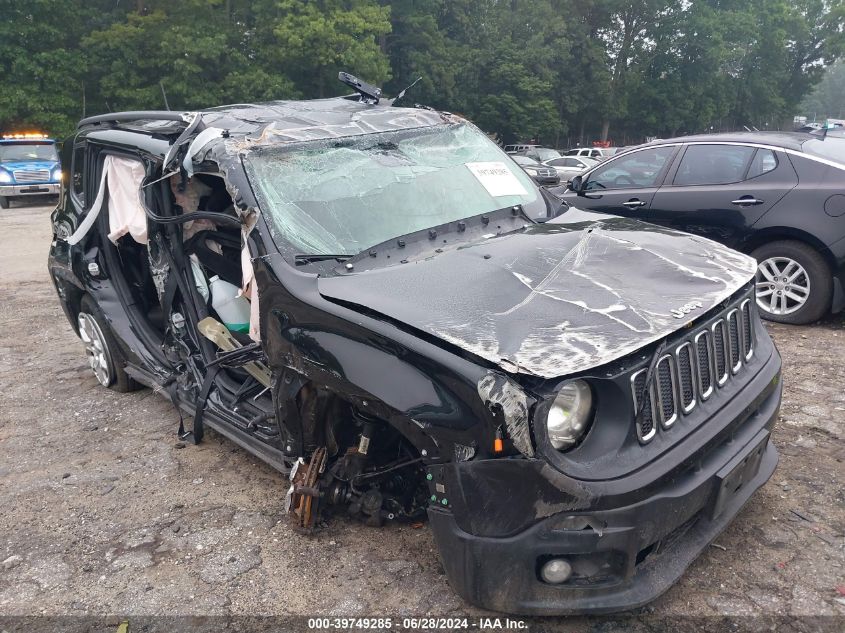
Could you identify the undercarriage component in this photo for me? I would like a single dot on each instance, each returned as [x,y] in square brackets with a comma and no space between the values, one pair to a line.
[385,482]
[303,498]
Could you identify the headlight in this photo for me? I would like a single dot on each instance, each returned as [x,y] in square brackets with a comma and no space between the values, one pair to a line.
[57,174]
[5,176]
[569,414]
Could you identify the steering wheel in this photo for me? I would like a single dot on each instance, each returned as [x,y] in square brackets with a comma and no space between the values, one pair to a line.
[623,180]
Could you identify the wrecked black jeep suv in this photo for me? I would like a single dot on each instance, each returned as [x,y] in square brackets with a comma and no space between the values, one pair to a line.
[380,304]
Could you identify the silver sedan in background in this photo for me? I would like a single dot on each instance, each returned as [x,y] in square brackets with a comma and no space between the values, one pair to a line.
[568,167]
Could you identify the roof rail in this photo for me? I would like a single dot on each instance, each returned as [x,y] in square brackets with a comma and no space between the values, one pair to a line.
[140,115]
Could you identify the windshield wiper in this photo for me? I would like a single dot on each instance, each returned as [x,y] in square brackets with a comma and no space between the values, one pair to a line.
[303,258]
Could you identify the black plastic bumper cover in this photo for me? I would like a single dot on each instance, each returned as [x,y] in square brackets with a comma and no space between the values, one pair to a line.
[643,548]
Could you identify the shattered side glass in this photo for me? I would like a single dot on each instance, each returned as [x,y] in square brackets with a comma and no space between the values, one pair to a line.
[341,197]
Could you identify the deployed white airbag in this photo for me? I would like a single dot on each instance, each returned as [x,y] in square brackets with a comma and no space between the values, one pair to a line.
[123,177]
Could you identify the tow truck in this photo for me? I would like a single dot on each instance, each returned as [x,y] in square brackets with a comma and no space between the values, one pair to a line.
[29,166]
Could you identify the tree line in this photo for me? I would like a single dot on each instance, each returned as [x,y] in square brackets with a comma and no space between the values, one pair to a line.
[557,71]
[827,100]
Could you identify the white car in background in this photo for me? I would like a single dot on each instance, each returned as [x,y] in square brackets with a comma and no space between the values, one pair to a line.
[568,167]
[598,153]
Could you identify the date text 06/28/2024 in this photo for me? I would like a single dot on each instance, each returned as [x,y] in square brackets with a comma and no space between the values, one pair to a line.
[417,624]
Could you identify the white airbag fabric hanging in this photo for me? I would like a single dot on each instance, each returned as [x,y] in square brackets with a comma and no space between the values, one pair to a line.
[124,177]
[126,211]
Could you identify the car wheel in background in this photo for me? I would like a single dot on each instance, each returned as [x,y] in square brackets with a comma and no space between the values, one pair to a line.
[104,355]
[4,202]
[794,283]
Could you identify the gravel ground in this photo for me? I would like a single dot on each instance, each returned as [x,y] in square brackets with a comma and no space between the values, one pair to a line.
[104,513]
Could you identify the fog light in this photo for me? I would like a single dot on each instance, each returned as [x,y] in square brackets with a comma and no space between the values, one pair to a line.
[556,571]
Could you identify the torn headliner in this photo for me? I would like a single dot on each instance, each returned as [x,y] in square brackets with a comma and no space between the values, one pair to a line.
[251,126]
[557,298]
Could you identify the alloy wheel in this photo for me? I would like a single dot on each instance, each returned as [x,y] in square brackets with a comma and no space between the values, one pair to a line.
[95,348]
[783,285]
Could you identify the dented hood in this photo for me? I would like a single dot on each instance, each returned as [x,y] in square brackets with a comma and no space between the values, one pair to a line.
[554,298]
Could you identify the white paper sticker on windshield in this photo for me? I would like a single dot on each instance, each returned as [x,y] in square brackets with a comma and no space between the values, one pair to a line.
[497,179]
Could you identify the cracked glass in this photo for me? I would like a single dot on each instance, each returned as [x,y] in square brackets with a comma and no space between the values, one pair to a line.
[342,196]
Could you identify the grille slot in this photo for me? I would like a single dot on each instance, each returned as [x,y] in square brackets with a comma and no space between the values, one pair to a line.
[747,330]
[686,377]
[667,403]
[704,364]
[645,427]
[31,175]
[702,361]
[735,340]
[720,352]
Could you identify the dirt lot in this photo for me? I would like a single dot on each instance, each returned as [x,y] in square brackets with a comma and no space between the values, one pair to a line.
[103,513]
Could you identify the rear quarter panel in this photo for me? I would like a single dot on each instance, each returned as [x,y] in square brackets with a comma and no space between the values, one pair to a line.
[813,212]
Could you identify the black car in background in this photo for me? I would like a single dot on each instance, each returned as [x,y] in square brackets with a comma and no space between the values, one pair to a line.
[777,196]
[540,173]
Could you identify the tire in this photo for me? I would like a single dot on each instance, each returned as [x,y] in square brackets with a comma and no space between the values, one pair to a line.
[794,283]
[104,354]
[4,202]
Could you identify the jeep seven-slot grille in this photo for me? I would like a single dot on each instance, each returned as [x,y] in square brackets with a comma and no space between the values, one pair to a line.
[705,359]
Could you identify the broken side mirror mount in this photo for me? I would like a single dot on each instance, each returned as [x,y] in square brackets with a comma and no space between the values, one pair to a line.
[368,93]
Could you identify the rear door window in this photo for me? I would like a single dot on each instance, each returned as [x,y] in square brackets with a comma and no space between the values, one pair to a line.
[713,165]
[77,175]
[763,162]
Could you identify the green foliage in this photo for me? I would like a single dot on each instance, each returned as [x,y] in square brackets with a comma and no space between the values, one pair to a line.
[41,66]
[312,40]
[828,98]
[557,71]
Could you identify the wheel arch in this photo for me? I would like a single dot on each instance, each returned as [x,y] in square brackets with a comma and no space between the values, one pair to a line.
[779,233]
[71,299]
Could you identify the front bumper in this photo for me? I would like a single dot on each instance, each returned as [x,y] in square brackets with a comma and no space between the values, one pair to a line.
[36,189]
[623,556]
[546,180]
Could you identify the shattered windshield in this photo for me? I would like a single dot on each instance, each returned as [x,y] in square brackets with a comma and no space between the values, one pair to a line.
[341,197]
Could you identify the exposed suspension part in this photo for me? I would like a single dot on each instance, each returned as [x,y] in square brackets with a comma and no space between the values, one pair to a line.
[303,498]
[376,476]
